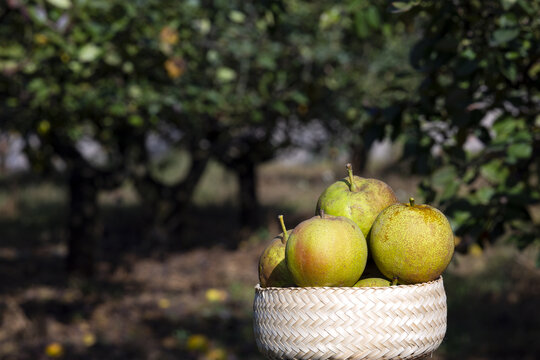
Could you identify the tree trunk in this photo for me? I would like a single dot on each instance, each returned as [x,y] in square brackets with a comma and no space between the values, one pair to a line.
[84,227]
[4,148]
[359,158]
[249,204]
[167,204]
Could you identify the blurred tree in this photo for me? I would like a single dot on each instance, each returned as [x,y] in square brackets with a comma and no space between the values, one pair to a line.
[256,74]
[85,83]
[380,76]
[472,127]
[266,70]
[90,84]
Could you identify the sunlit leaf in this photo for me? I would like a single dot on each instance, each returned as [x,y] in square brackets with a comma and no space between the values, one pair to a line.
[225,74]
[237,16]
[329,18]
[484,194]
[534,70]
[62,4]
[135,120]
[520,151]
[401,6]
[89,53]
[494,171]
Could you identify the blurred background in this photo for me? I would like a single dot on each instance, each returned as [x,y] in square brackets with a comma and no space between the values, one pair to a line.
[147,147]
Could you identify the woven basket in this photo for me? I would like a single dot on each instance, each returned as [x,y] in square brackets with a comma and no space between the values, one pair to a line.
[397,322]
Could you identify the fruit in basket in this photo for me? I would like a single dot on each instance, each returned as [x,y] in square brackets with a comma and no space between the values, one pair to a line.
[356,198]
[372,282]
[326,250]
[273,270]
[413,243]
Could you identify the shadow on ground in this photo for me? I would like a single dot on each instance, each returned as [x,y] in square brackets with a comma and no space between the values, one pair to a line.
[190,297]
[493,307]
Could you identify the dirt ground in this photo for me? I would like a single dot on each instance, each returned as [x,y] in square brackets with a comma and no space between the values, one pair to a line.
[152,301]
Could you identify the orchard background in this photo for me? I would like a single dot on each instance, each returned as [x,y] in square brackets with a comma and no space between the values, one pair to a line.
[147,147]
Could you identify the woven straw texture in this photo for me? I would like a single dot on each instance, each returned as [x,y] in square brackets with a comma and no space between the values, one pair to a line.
[397,322]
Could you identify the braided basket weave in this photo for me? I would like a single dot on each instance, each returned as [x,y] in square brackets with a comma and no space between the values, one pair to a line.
[396,322]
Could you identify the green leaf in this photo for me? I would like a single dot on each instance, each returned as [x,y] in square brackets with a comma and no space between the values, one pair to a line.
[470,175]
[502,36]
[444,176]
[280,107]
[494,171]
[237,16]
[401,6]
[460,217]
[534,70]
[504,128]
[299,97]
[372,17]
[512,55]
[12,51]
[484,194]
[468,54]
[112,58]
[507,4]
[525,6]
[225,74]
[449,191]
[520,151]
[135,120]
[266,61]
[117,109]
[62,4]
[330,17]
[360,25]
[89,53]
[510,72]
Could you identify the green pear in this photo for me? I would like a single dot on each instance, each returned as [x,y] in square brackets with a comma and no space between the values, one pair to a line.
[372,282]
[273,271]
[326,251]
[413,243]
[356,198]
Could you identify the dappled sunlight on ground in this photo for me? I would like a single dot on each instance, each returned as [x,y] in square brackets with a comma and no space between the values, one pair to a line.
[191,297]
[150,311]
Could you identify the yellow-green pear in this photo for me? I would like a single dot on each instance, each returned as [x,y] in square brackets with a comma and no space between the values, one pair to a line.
[357,198]
[413,243]
[372,282]
[273,271]
[326,250]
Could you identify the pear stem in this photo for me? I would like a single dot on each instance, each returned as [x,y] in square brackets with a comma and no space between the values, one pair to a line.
[411,201]
[321,213]
[351,177]
[394,282]
[285,235]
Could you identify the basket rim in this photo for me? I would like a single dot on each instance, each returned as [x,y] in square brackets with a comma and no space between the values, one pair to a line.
[258,287]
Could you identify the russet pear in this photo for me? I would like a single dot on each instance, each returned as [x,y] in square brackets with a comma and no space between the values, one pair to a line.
[273,271]
[372,282]
[413,243]
[356,198]
[326,250]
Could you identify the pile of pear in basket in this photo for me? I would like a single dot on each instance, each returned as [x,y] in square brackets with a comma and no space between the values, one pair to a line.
[323,295]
